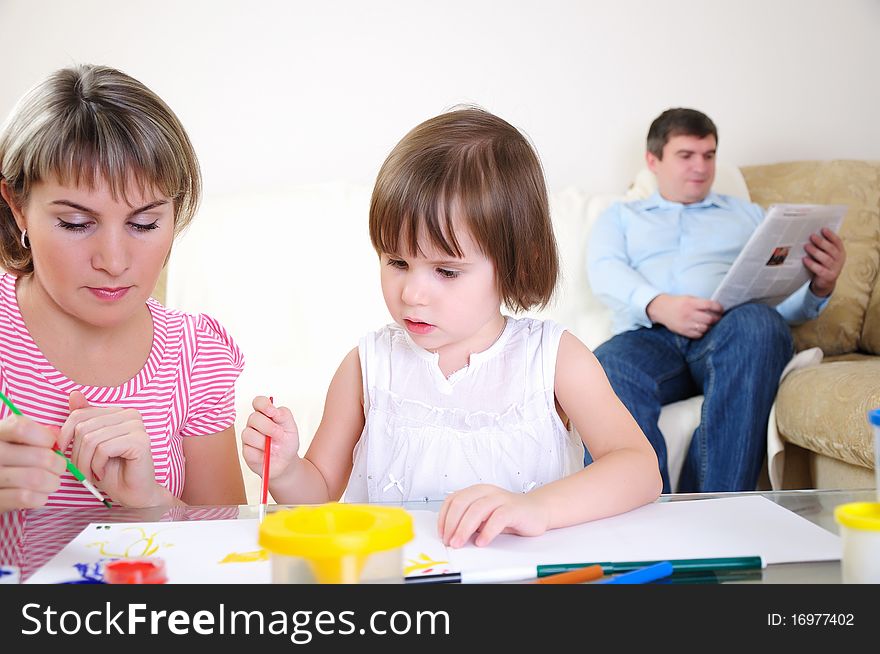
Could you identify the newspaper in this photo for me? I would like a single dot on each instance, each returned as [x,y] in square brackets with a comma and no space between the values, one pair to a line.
[770,267]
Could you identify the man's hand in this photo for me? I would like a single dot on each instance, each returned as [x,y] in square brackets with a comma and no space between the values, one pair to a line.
[685,315]
[825,258]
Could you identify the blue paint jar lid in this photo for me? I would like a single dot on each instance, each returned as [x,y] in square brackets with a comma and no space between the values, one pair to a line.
[874,417]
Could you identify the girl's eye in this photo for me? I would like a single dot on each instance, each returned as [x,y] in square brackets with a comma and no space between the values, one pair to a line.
[397,263]
[447,274]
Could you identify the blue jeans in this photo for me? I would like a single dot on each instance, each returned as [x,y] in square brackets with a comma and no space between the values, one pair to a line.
[735,365]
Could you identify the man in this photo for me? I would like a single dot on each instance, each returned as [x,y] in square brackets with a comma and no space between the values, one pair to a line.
[655,262]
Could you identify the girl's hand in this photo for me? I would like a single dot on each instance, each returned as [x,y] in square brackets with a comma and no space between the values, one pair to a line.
[29,470]
[112,448]
[488,511]
[279,425]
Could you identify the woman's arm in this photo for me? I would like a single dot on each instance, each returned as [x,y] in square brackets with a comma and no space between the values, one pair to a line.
[213,473]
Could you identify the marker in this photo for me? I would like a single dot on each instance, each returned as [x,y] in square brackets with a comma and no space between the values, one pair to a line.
[264,486]
[678,565]
[721,577]
[496,576]
[642,575]
[684,566]
[80,477]
[577,576]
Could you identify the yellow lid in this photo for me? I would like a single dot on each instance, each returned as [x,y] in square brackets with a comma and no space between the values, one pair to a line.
[859,515]
[334,530]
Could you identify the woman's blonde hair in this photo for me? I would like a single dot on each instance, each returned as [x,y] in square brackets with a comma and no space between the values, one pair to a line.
[469,163]
[87,124]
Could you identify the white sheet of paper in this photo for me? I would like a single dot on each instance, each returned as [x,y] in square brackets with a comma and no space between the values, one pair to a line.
[719,527]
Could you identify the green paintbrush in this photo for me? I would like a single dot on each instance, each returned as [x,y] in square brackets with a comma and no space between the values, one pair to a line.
[73,469]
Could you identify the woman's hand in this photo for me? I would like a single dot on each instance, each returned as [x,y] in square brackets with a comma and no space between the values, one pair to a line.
[488,511]
[279,425]
[112,448]
[29,470]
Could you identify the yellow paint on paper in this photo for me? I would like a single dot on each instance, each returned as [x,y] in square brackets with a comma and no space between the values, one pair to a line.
[144,544]
[422,562]
[246,557]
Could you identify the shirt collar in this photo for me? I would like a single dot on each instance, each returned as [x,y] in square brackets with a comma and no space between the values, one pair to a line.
[657,201]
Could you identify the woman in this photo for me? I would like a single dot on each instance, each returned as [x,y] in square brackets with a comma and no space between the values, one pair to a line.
[97,177]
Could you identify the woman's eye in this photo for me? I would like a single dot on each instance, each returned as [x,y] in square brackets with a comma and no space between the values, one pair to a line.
[73,227]
[145,227]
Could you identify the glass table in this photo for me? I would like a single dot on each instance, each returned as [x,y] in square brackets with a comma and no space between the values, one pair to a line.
[28,539]
[817,506]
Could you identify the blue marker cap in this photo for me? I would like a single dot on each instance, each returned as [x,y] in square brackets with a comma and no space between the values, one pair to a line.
[642,575]
[874,417]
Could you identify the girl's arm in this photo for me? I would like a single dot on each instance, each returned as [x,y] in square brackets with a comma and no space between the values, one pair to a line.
[623,475]
[322,474]
[213,474]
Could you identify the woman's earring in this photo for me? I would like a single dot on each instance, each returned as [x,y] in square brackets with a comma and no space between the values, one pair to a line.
[23,237]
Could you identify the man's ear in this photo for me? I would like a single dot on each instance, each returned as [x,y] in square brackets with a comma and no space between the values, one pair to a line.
[10,201]
[651,159]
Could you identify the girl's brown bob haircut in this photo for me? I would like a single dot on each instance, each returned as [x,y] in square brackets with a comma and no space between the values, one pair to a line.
[87,124]
[471,165]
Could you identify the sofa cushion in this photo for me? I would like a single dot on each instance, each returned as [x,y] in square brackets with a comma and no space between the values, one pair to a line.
[824,408]
[870,340]
[839,328]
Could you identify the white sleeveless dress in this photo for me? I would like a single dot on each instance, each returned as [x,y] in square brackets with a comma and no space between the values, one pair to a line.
[493,422]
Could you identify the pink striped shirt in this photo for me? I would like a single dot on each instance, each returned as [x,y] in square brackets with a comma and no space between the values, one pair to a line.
[186,388]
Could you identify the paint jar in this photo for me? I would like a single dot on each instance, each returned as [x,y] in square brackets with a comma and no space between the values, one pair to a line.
[135,571]
[337,544]
[874,419]
[860,530]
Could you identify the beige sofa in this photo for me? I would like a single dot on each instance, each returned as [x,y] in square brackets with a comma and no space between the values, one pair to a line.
[821,411]
[293,354]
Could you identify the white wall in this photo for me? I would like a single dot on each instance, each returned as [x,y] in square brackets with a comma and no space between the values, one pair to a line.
[312,96]
[278,91]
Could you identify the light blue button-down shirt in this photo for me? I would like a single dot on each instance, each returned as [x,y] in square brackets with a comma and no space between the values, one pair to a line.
[640,249]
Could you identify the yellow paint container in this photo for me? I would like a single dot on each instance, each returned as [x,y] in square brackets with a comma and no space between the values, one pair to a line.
[860,531]
[337,544]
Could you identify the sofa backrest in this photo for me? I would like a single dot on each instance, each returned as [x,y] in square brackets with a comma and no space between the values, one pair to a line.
[851,321]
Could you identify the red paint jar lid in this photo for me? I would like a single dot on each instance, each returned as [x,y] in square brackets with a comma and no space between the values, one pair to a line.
[135,571]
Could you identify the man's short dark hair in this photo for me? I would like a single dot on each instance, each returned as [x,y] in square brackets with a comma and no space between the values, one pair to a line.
[678,122]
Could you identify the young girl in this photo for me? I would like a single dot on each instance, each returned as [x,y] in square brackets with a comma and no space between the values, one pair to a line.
[455,400]
[97,176]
